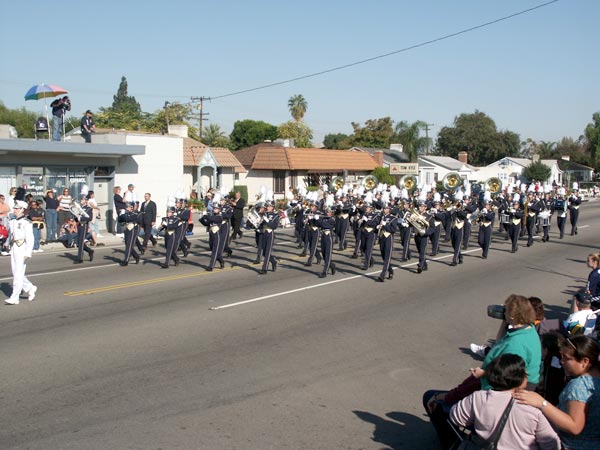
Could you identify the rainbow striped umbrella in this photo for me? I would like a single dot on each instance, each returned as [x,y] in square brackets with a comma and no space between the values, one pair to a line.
[43,91]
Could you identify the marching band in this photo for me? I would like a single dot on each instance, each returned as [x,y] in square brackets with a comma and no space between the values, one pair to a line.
[375,214]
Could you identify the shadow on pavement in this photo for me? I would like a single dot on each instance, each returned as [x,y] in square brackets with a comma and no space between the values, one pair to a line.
[399,430]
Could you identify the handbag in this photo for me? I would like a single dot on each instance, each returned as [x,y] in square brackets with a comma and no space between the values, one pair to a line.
[475,442]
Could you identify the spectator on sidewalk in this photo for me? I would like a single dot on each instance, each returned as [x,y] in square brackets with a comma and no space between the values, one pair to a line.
[52,205]
[36,215]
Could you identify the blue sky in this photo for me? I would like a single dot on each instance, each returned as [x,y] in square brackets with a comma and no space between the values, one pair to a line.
[536,74]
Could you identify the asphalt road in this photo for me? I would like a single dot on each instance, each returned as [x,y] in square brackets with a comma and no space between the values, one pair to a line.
[111,357]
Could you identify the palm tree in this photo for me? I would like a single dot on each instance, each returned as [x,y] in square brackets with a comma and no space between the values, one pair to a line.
[408,134]
[211,134]
[297,106]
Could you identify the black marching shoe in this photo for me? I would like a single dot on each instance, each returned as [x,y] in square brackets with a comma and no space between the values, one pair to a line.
[79,261]
[262,272]
[371,262]
[209,269]
[354,256]
[256,261]
[91,255]
[380,279]
[419,270]
[185,251]
[453,263]
[460,261]
[176,262]
[322,275]
[333,269]
[390,274]
[229,253]
[308,264]
[123,263]
[274,266]
[164,266]
[222,265]
[364,268]
[137,259]
[303,254]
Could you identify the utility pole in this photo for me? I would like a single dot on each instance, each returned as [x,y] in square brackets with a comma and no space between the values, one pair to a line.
[201,114]
[427,125]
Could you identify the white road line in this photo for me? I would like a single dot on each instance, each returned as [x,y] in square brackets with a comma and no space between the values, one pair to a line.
[327,283]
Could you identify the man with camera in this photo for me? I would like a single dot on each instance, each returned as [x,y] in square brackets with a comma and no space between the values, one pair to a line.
[59,106]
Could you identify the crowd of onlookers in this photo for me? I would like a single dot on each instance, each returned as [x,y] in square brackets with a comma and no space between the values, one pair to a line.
[538,386]
[51,217]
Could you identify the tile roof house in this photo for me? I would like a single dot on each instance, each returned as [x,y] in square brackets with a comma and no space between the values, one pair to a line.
[206,167]
[277,167]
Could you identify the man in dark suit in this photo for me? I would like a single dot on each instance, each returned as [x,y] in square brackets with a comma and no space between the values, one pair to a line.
[148,219]
[238,204]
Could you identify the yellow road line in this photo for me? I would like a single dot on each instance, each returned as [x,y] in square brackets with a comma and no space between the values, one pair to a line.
[142,283]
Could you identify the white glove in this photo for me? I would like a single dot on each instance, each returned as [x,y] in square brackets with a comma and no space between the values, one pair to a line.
[316,217]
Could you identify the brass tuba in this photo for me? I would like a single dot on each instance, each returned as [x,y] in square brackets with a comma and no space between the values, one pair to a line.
[451,181]
[370,182]
[417,220]
[494,185]
[408,182]
[336,184]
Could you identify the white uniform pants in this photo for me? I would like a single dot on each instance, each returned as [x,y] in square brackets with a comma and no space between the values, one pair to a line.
[20,281]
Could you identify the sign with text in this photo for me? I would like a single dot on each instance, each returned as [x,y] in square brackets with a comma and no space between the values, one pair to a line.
[404,169]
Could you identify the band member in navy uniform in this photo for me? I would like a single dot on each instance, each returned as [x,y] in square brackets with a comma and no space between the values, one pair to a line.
[269,224]
[183,214]
[486,223]
[258,233]
[227,213]
[308,238]
[459,217]
[238,203]
[298,222]
[439,218]
[82,230]
[503,207]
[355,216]
[388,226]
[514,227]
[405,230]
[560,206]
[574,204]
[169,225]
[343,222]
[470,208]
[215,236]
[534,207]
[422,237]
[369,222]
[326,224]
[545,216]
[130,222]
[312,231]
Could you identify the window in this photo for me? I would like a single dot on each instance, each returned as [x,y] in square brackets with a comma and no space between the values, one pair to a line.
[279,181]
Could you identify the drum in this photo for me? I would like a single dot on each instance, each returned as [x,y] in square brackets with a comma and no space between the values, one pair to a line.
[505,218]
[543,221]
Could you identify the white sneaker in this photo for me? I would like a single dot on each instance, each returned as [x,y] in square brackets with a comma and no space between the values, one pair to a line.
[478,350]
[99,235]
[40,250]
[4,253]
[32,292]
[8,301]
[120,235]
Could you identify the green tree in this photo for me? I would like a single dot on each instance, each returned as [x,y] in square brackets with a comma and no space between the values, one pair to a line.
[375,134]
[335,141]
[409,135]
[125,112]
[537,171]
[298,131]
[297,106]
[251,132]
[592,134]
[476,134]
[383,175]
[213,136]
[21,119]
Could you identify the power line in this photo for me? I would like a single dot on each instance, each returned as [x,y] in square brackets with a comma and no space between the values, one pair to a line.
[385,55]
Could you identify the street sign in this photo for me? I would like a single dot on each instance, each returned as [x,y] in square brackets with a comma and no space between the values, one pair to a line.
[404,169]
